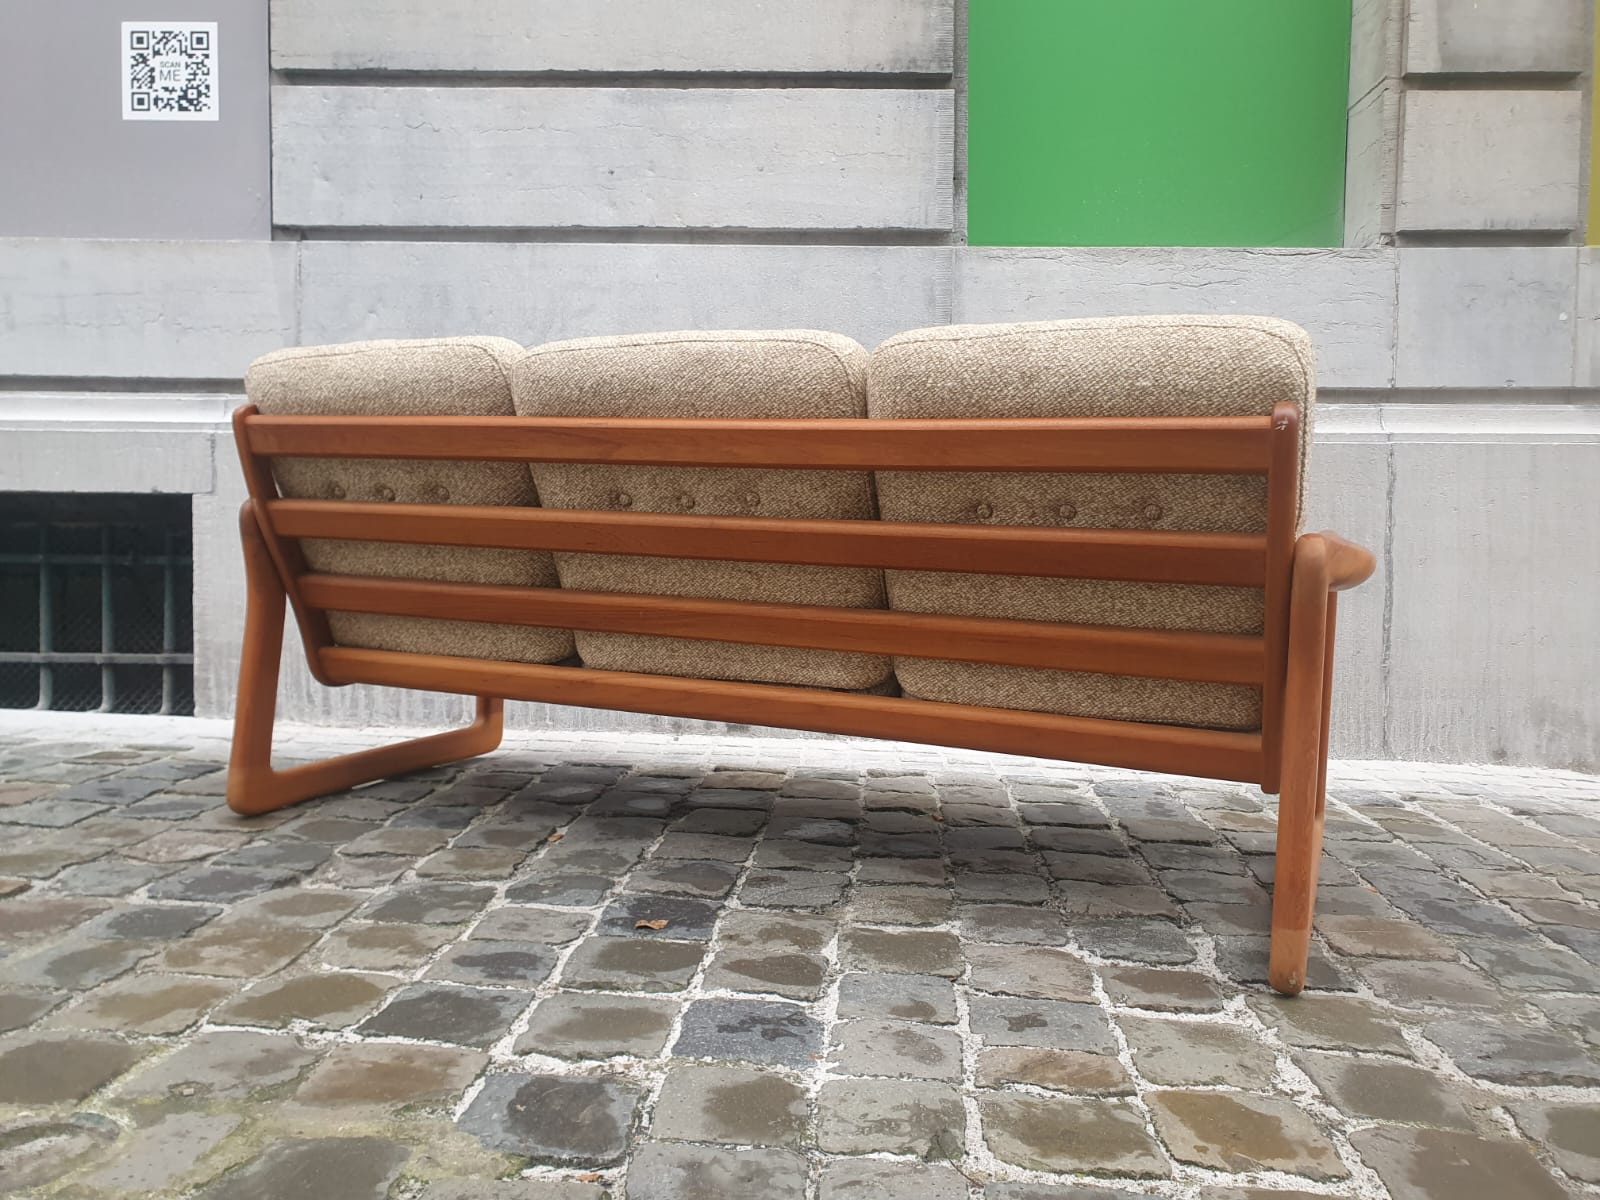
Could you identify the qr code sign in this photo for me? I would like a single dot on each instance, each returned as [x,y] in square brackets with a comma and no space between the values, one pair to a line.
[169,71]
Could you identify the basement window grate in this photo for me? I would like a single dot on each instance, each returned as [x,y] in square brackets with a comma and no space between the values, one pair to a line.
[96,603]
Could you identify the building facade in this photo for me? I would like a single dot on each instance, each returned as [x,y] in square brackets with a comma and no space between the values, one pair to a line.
[1408,179]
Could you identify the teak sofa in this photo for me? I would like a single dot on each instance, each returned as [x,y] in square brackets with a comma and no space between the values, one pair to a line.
[1072,539]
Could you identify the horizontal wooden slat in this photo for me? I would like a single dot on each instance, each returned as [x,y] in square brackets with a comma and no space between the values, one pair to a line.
[610,158]
[1209,753]
[1136,555]
[1226,445]
[1161,654]
[676,36]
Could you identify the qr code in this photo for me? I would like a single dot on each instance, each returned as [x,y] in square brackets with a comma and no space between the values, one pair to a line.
[169,71]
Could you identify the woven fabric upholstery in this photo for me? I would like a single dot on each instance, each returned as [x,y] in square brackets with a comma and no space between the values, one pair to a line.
[1110,367]
[783,373]
[432,377]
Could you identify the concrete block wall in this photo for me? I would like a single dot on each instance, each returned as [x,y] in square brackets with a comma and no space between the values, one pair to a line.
[519,168]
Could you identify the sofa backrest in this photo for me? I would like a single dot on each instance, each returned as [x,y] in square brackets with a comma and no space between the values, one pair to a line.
[1114,367]
[766,374]
[467,376]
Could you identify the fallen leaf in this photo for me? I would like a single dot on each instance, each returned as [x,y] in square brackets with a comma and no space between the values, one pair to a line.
[555,837]
[589,1177]
[651,924]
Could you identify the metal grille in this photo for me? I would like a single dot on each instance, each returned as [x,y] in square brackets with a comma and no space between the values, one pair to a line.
[96,603]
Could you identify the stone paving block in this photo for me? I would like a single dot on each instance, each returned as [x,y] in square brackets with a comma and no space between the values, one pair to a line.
[662,1171]
[1332,1023]
[119,790]
[1372,1089]
[1058,1070]
[1080,841]
[1086,1136]
[897,870]
[368,871]
[593,1027]
[390,841]
[157,1004]
[278,853]
[1579,1014]
[686,877]
[570,888]
[154,922]
[1054,1024]
[1001,888]
[1134,940]
[893,1116]
[327,999]
[687,919]
[726,822]
[1098,900]
[160,1154]
[792,889]
[873,1179]
[440,1012]
[319,909]
[1377,937]
[364,946]
[1435,1164]
[894,952]
[1097,868]
[1243,959]
[632,964]
[1237,1131]
[337,1168]
[903,997]
[1162,990]
[1196,1053]
[768,1032]
[429,904]
[223,1064]
[873,843]
[554,1118]
[382,1075]
[512,1189]
[1433,985]
[519,923]
[20,1006]
[1533,968]
[56,1068]
[1023,924]
[51,814]
[1522,1055]
[1044,1191]
[218,884]
[77,963]
[239,949]
[893,904]
[170,807]
[109,877]
[1034,971]
[730,1104]
[1570,1131]
[901,1049]
[484,961]
[471,862]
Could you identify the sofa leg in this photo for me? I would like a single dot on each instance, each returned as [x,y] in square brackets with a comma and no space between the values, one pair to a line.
[253,785]
[1305,761]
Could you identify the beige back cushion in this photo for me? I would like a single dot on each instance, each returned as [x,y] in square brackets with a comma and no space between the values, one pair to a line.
[781,373]
[430,377]
[1114,367]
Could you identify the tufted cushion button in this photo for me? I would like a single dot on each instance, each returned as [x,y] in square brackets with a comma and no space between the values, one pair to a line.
[438,493]
[751,500]
[685,501]
[1067,512]
[622,499]
[384,492]
[1152,512]
[336,491]
[984,511]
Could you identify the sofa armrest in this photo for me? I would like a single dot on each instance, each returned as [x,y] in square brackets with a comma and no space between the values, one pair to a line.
[1349,565]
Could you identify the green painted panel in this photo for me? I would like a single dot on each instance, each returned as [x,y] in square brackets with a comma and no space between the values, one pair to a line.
[1157,122]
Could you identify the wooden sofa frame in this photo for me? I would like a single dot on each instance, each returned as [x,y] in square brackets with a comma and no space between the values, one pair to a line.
[1291,662]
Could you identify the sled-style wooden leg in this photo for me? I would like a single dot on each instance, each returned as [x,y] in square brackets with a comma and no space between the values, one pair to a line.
[253,785]
[1305,765]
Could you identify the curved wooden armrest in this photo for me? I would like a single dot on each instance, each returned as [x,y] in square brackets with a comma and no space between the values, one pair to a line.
[1349,565]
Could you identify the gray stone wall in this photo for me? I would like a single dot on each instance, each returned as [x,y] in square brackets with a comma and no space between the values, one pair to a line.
[718,164]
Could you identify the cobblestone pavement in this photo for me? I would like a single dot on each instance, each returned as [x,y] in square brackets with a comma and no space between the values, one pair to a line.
[684,969]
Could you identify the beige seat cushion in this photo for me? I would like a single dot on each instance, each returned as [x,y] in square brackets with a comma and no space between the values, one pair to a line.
[1121,367]
[783,373]
[430,377]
